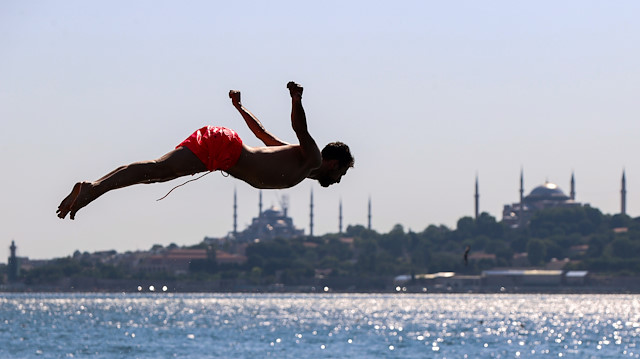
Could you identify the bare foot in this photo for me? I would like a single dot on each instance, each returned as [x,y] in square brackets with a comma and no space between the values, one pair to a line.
[78,198]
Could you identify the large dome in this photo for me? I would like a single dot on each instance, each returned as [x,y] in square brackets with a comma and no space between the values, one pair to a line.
[548,191]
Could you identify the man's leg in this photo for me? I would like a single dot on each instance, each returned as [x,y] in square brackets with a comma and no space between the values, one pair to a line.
[177,163]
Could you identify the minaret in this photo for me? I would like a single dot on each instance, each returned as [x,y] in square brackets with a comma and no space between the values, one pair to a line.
[284,202]
[521,186]
[311,215]
[572,194]
[521,210]
[12,266]
[340,217]
[260,205]
[623,195]
[369,216]
[477,199]
[235,214]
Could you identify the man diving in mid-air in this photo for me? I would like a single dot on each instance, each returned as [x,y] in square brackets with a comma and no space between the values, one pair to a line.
[277,165]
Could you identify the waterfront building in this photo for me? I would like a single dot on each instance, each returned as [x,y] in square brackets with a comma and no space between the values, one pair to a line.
[177,261]
[13,267]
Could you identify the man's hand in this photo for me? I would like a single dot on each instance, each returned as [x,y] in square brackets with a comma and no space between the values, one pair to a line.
[235,98]
[295,90]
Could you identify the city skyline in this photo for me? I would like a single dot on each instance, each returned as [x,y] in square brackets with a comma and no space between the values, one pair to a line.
[426,94]
[369,209]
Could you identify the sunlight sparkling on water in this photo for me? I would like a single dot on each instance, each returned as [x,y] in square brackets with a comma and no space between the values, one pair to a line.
[319,325]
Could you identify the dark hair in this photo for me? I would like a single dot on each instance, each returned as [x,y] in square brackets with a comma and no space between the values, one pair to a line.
[338,151]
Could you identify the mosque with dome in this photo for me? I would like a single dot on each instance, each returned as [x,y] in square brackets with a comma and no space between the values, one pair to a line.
[270,224]
[547,195]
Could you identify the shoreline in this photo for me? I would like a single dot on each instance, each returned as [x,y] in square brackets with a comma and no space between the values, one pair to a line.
[307,290]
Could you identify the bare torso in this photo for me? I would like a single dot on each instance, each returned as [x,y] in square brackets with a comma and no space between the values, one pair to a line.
[279,164]
[274,167]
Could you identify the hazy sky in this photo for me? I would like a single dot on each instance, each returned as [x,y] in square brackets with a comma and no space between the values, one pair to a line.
[427,94]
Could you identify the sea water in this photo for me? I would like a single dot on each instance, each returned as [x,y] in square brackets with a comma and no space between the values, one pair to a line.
[319,326]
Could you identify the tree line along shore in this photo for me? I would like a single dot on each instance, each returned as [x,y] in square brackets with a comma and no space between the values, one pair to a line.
[577,239]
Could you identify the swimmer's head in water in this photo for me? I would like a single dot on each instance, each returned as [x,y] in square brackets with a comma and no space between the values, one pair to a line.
[336,160]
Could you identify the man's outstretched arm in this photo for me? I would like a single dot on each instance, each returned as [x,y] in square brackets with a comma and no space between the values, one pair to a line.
[299,123]
[254,125]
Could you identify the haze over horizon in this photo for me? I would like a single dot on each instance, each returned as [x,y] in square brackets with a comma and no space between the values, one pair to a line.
[426,94]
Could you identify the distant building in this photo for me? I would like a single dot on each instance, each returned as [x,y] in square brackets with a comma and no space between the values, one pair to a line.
[547,195]
[270,224]
[494,278]
[13,267]
[576,277]
[522,277]
[177,261]
[230,258]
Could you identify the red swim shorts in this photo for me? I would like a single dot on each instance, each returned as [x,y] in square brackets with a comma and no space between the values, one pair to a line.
[217,147]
